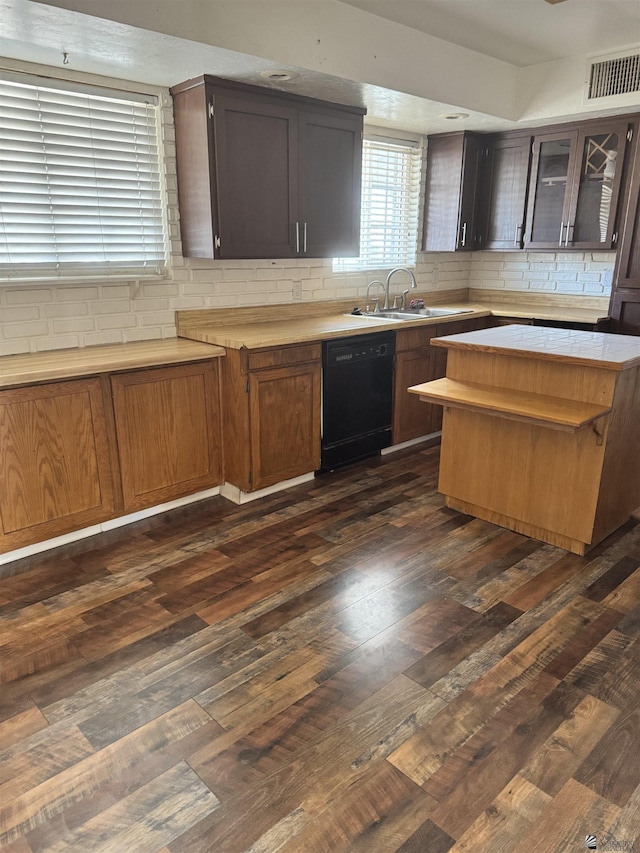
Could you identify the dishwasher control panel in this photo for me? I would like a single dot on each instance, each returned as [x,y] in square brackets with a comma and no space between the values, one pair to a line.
[359,349]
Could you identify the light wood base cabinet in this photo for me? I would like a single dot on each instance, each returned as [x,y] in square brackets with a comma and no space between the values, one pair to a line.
[541,429]
[55,471]
[417,362]
[168,430]
[77,453]
[271,414]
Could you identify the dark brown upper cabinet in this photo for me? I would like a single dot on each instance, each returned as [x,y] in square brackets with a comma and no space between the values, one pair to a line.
[451,192]
[504,192]
[263,174]
[575,182]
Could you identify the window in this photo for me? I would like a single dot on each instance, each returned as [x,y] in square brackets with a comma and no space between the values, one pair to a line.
[390,193]
[80,185]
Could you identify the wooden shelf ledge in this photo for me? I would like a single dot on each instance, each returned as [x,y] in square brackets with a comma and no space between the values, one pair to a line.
[552,412]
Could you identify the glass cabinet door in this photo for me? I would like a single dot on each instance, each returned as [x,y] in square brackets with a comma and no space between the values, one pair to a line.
[596,187]
[553,161]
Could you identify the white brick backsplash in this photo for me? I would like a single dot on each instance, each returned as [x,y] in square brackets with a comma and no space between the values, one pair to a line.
[115,291]
[573,267]
[15,315]
[111,306]
[66,309]
[206,275]
[25,330]
[62,327]
[116,321]
[27,296]
[538,276]
[75,293]
[92,339]
[14,347]
[162,318]
[159,290]
[150,333]
[57,342]
[241,275]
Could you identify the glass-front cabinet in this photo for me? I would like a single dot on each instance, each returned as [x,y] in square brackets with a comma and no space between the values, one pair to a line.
[575,181]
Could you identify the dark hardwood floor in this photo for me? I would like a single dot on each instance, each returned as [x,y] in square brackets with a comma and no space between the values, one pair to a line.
[346,666]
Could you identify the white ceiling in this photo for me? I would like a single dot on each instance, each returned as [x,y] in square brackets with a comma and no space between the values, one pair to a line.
[521,32]
[408,61]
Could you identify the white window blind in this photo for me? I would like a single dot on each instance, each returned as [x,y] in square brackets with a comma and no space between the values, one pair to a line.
[390,195]
[80,184]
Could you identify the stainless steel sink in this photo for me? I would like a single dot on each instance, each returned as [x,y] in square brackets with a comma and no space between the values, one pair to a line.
[414,314]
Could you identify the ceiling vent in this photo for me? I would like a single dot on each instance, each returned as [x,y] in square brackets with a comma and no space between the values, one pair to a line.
[614,79]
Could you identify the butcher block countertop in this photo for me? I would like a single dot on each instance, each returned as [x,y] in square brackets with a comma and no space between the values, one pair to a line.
[590,349]
[66,364]
[278,325]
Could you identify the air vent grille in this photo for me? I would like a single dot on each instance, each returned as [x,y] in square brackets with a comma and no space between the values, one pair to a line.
[619,76]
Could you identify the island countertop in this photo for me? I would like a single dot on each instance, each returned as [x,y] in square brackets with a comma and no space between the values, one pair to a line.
[595,349]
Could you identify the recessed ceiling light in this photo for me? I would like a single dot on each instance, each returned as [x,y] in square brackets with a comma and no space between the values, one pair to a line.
[278,76]
[454,116]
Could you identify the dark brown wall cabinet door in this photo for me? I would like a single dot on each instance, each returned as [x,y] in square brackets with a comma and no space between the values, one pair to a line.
[256,177]
[451,192]
[330,158]
[505,193]
[625,299]
[55,474]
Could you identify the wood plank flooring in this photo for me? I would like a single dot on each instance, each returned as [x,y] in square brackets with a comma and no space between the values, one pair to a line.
[346,666]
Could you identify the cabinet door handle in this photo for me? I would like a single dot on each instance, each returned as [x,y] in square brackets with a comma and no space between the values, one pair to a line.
[570,228]
[464,234]
[561,232]
[516,233]
[298,238]
[304,238]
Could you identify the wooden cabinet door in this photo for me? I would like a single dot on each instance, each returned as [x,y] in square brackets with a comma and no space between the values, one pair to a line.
[55,474]
[550,190]
[627,273]
[505,193]
[168,429]
[625,297]
[453,169]
[596,187]
[256,176]
[412,418]
[330,146]
[284,413]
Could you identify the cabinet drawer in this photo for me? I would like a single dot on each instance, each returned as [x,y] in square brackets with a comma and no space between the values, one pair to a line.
[262,359]
[415,338]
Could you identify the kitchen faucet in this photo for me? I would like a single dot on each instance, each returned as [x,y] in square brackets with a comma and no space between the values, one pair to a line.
[404,292]
[378,283]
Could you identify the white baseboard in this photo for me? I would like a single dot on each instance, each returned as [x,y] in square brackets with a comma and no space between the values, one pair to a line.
[237,496]
[103,527]
[395,447]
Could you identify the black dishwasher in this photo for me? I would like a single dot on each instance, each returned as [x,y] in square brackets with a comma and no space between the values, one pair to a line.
[357,397]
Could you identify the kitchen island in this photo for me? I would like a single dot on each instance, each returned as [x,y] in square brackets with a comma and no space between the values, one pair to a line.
[541,430]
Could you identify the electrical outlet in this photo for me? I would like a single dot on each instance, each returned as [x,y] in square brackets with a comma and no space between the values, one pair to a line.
[296,291]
